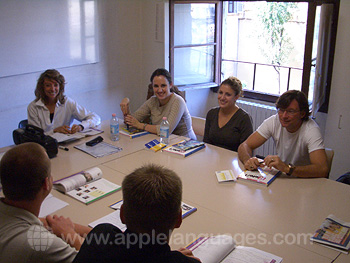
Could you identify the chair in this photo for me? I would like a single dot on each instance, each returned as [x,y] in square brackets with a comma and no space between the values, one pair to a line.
[329,155]
[22,124]
[198,125]
[345,178]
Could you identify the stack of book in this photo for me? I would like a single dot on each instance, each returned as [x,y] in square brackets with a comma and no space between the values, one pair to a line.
[132,132]
[185,147]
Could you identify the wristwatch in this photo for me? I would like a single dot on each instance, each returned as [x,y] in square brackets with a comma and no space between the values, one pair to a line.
[291,169]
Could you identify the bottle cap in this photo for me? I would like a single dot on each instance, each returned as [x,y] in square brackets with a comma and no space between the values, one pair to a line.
[164,118]
[113,114]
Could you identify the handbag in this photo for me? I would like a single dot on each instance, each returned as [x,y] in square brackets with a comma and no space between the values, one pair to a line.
[32,133]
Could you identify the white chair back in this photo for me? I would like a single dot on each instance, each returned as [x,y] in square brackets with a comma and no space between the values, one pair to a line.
[198,125]
[330,155]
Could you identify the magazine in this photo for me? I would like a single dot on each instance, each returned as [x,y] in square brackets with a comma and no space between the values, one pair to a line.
[333,233]
[86,186]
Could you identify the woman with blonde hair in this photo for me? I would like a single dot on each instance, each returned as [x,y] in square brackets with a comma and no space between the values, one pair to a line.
[227,126]
[52,111]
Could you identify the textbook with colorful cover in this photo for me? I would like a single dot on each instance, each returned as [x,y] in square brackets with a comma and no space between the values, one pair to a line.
[264,175]
[86,186]
[114,217]
[132,132]
[185,147]
[222,248]
[155,145]
[333,233]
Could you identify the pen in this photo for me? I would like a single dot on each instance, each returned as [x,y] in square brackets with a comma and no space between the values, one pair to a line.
[63,148]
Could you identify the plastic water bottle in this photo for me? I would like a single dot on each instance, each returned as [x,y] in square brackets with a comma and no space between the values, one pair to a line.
[114,125]
[164,131]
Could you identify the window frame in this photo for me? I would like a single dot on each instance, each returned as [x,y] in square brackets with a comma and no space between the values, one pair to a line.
[307,64]
[217,41]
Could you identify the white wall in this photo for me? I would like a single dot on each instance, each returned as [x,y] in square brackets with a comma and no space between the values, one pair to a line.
[100,86]
[337,135]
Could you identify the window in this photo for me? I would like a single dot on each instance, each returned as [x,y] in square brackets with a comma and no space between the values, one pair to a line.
[195,43]
[270,46]
[235,7]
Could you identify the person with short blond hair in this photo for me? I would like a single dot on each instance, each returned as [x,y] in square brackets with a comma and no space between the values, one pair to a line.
[162,189]
[151,210]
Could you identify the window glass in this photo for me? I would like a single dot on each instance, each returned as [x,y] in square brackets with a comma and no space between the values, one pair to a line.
[268,37]
[193,65]
[263,43]
[194,24]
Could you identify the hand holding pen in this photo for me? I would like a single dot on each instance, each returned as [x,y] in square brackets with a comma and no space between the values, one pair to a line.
[254,162]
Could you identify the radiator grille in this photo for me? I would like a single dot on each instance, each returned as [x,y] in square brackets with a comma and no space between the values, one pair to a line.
[259,112]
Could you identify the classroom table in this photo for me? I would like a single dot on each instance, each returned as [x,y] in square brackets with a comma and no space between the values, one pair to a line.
[74,160]
[277,219]
[290,208]
[342,258]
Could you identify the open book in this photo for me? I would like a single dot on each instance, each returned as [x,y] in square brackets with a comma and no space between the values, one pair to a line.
[264,175]
[185,147]
[223,248]
[86,186]
[334,233]
[132,132]
[61,137]
[114,217]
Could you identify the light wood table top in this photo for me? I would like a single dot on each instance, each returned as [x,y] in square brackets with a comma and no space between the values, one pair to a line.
[268,218]
[289,210]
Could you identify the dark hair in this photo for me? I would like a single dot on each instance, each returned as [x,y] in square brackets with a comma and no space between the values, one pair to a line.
[163,72]
[23,170]
[50,74]
[152,198]
[286,98]
[235,84]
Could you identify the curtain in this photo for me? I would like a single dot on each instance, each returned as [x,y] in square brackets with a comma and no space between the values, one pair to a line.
[322,58]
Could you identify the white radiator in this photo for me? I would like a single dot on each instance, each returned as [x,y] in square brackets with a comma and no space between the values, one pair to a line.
[259,112]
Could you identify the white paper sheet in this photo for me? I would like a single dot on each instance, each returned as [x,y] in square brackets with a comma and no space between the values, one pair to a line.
[50,205]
